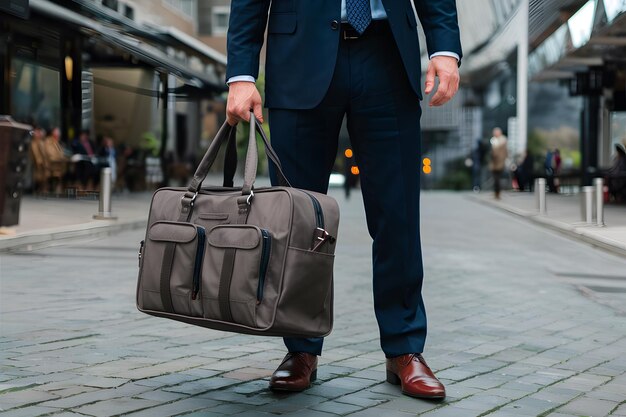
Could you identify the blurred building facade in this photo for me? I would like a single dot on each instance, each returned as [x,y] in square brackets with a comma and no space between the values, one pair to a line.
[213,16]
[550,73]
[133,70]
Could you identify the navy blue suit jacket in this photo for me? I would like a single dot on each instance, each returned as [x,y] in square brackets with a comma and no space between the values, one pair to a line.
[302,43]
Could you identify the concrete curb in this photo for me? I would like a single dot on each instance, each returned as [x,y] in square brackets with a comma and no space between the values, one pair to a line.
[61,235]
[583,233]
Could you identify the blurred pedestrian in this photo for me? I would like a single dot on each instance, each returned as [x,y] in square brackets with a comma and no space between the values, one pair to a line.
[478,156]
[552,165]
[499,154]
[616,175]
[108,153]
[40,161]
[84,153]
[57,160]
[524,172]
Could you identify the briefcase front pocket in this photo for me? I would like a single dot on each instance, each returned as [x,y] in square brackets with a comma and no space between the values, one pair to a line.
[234,273]
[172,267]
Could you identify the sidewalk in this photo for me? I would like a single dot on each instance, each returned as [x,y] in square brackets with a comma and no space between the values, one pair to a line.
[45,222]
[53,221]
[564,215]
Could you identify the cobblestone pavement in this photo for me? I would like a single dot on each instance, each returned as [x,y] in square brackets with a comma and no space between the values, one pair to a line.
[509,335]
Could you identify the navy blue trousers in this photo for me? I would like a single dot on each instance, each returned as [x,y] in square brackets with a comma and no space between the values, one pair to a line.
[371,87]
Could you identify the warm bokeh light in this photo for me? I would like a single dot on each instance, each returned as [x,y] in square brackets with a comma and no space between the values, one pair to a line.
[355,170]
[427,162]
[427,169]
[348,153]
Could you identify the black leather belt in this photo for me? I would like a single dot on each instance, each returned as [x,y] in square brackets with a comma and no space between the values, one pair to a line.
[375,27]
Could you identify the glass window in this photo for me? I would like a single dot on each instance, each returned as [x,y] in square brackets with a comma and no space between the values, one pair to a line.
[187,7]
[618,129]
[111,4]
[129,11]
[581,24]
[35,94]
[614,8]
[219,19]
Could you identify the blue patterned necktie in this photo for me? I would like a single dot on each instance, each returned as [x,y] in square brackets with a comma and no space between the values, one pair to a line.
[359,14]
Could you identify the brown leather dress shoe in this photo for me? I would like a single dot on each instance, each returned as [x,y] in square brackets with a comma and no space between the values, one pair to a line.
[413,374]
[295,373]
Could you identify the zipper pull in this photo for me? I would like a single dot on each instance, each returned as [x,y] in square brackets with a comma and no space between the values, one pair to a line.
[321,236]
[140,255]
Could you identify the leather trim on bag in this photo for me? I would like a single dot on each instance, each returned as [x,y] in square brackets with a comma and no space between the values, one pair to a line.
[166,271]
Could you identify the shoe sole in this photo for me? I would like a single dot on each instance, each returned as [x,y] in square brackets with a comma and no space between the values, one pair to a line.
[394,379]
[312,379]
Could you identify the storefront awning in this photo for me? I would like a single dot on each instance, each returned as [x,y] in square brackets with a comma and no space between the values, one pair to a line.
[591,37]
[142,51]
[490,30]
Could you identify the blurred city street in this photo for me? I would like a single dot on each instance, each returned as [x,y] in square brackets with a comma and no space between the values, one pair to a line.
[522,322]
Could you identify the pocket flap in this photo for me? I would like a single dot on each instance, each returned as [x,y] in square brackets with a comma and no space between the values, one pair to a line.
[282,23]
[235,236]
[172,232]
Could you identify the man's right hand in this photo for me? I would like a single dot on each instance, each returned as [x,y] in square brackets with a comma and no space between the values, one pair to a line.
[243,97]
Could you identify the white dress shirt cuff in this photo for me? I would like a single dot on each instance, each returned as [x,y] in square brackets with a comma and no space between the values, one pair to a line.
[248,78]
[445,53]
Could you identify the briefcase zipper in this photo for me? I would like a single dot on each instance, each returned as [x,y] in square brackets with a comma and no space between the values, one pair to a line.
[140,255]
[197,269]
[319,214]
[265,257]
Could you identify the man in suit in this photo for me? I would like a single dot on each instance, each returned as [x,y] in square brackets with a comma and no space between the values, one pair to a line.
[360,58]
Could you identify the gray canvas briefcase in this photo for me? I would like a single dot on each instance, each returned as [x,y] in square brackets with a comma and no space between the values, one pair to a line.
[240,259]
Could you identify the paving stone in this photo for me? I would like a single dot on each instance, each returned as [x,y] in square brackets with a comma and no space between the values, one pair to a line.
[21,398]
[377,412]
[528,407]
[177,408]
[335,407]
[203,385]
[115,406]
[482,403]
[451,411]
[362,399]
[226,409]
[620,411]
[31,411]
[410,405]
[161,396]
[589,406]
[309,413]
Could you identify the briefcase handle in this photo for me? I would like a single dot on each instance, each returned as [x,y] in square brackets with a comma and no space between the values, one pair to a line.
[227,133]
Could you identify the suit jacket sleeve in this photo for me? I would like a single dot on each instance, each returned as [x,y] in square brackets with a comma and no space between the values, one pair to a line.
[441,26]
[246,30]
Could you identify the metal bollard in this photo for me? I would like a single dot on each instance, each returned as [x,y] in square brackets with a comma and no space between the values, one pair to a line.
[599,188]
[536,190]
[106,187]
[587,204]
[540,193]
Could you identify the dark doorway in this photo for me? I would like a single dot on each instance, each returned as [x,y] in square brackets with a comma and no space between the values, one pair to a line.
[181,136]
